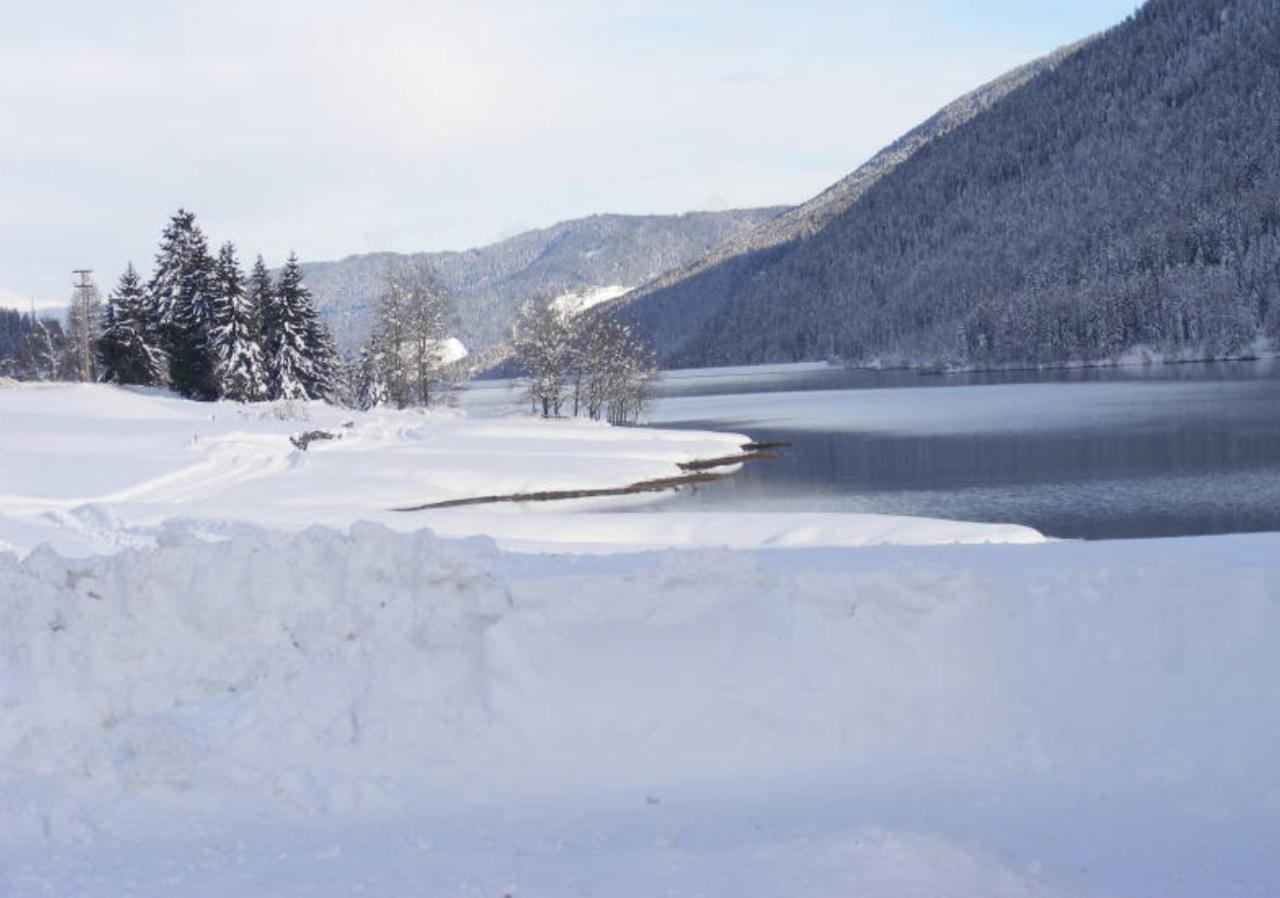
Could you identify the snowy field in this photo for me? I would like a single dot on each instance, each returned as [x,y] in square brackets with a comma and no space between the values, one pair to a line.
[201,694]
[90,468]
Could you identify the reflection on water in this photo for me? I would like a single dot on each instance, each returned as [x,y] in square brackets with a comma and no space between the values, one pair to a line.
[1099,453]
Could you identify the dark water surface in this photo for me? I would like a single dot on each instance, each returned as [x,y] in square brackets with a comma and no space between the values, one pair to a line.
[1094,453]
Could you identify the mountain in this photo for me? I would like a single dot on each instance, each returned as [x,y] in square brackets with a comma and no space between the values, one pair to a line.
[1122,192]
[579,257]
[10,299]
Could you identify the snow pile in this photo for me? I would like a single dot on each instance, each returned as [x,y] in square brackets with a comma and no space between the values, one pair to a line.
[970,696]
[280,668]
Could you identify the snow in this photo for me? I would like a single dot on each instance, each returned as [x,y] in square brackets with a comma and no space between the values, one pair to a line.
[452,350]
[579,301]
[202,692]
[333,712]
[92,468]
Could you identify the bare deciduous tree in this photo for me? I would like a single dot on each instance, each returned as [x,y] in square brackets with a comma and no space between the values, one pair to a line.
[407,361]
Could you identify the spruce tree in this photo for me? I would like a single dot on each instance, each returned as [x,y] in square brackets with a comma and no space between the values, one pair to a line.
[325,363]
[126,348]
[234,336]
[181,294]
[294,368]
[262,302]
[166,282]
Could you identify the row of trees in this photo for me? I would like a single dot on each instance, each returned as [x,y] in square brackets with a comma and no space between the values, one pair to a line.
[33,348]
[202,328]
[590,361]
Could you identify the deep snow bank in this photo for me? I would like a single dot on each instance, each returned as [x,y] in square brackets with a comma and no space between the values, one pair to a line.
[988,695]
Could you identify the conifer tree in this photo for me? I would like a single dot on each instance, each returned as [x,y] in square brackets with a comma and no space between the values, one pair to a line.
[171,259]
[181,292]
[262,303]
[325,364]
[371,375]
[293,361]
[234,337]
[126,348]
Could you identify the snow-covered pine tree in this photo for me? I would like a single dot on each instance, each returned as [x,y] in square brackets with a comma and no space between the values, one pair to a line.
[234,337]
[171,261]
[322,353]
[371,375]
[295,374]
[126,348]
[180,291]
[262,302]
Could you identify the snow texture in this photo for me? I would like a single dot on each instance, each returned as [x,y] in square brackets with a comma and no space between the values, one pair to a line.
[328,712]
[203,694]
[92,468]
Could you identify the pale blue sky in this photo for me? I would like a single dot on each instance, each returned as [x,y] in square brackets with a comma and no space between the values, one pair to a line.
[336,128]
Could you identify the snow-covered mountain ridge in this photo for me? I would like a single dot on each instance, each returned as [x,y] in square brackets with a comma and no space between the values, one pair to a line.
[490,282]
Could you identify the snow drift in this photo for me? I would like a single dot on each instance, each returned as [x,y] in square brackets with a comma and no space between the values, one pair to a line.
[967,695]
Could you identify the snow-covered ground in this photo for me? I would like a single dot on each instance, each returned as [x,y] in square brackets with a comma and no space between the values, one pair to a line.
[90,468]
[368,712]
[576,303]
[201,694]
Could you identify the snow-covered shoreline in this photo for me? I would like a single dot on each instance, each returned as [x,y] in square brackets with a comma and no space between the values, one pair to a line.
[93,468]
[204,693]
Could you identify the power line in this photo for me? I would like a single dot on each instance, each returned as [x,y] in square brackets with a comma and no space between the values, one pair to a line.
[83,310]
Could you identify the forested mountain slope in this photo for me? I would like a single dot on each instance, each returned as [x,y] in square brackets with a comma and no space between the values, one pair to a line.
[1127,194]
[490,282]
[677,309]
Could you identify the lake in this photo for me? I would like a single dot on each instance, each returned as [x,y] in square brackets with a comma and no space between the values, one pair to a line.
[1085,453]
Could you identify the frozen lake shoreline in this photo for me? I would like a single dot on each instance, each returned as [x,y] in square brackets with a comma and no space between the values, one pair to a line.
[92,468]
[204,692]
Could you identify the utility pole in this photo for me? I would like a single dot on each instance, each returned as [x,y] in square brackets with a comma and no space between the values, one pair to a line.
[82,310]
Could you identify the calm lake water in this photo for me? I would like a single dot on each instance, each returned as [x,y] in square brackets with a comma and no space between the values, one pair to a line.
[1095,454]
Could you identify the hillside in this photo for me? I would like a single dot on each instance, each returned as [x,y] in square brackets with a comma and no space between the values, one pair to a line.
[490,282]
[676,298]
[1120,193]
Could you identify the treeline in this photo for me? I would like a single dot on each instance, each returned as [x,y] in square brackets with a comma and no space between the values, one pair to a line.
[32,347]
[203,328]
[588,363]
[198,326]
[1130,196]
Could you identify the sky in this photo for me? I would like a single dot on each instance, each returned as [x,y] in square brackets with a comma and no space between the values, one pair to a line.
[334,128]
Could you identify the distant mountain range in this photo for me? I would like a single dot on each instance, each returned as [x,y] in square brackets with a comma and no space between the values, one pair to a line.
[10,299]
[598,255]
[1121,192]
